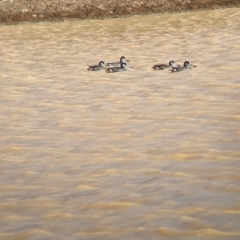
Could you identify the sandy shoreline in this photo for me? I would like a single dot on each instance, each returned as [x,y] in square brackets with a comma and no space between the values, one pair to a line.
[15,11]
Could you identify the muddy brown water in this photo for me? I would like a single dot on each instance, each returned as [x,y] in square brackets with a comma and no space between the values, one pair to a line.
[140,154]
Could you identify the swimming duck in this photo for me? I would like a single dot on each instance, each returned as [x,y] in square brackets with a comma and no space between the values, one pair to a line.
[118,64]
[186,65]
[163,66]
[117,69]
[98,67]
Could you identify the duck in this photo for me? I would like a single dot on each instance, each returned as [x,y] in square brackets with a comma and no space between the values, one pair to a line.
[163,66]
[118,64]
[187,65]
[117,69]
[98,67]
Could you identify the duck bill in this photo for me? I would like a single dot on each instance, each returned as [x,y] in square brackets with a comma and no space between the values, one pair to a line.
[194,65]
[127,60]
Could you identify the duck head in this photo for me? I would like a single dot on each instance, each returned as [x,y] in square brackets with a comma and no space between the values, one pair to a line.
[101,63]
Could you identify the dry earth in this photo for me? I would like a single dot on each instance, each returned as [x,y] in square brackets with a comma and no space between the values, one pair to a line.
[14,11]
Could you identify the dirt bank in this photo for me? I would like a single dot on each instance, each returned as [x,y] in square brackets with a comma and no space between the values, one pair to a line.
[14,11]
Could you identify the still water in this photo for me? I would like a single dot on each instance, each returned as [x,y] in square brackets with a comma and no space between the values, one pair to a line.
[140,154]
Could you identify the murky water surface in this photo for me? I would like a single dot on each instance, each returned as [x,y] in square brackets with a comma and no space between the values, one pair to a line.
[140,154]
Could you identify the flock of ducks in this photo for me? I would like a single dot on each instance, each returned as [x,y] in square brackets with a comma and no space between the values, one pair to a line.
[122,66]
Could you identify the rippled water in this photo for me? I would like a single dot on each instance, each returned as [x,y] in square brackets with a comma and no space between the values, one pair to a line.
[140,154]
